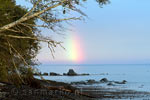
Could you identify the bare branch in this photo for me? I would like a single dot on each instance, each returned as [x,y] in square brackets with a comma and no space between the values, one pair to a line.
[42,39]
[26,24]
[20,55]
[59,20]
[32,8]
[13,30]
[31,30]
[14,62]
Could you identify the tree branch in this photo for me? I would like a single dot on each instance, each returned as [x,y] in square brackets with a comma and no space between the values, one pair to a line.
[29,17]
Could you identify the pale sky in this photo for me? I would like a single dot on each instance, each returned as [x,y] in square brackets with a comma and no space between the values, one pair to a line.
[118,33]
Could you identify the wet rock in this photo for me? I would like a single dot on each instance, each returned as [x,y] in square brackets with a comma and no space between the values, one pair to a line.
[71,72]
[3,95]
[87,82]
[54,74]
[84,74]
[80,82]
[104,80]
[91,81]
[64,74]
[123,82]
[110,84]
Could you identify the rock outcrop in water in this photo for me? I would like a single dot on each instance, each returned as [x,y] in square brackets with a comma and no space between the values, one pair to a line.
[123,82]
[54,74]
[104,80]
[45,74]
[71,72]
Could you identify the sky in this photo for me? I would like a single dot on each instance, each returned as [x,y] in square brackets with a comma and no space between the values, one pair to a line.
[118,33]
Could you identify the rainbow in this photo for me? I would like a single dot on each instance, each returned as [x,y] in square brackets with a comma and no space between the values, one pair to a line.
[75,48]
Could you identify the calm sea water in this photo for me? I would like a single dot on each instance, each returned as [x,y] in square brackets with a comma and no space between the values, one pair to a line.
[138,76]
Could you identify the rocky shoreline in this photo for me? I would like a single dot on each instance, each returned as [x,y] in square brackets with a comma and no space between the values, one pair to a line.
[49,90]
[79,90]
[52,90]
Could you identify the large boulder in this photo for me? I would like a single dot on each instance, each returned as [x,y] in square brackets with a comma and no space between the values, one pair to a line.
[71,72]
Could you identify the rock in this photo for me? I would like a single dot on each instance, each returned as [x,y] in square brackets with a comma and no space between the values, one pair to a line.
[45,74]
[110,84]
[91,81]
[3,94]
[71,72]
[80,82]
[54,74]
[123,82]
[37,73]
[87,82]
[64,74]
[104,80]
[84,74]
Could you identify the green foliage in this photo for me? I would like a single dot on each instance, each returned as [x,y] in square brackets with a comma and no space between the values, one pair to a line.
[3,73]
[15,52]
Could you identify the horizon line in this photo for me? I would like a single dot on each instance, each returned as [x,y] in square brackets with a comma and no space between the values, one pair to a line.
[90,64]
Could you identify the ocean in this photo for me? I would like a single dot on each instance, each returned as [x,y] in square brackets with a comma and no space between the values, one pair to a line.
[136,75]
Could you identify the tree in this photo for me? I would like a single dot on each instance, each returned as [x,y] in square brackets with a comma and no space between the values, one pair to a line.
[19,28]
[16,53]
